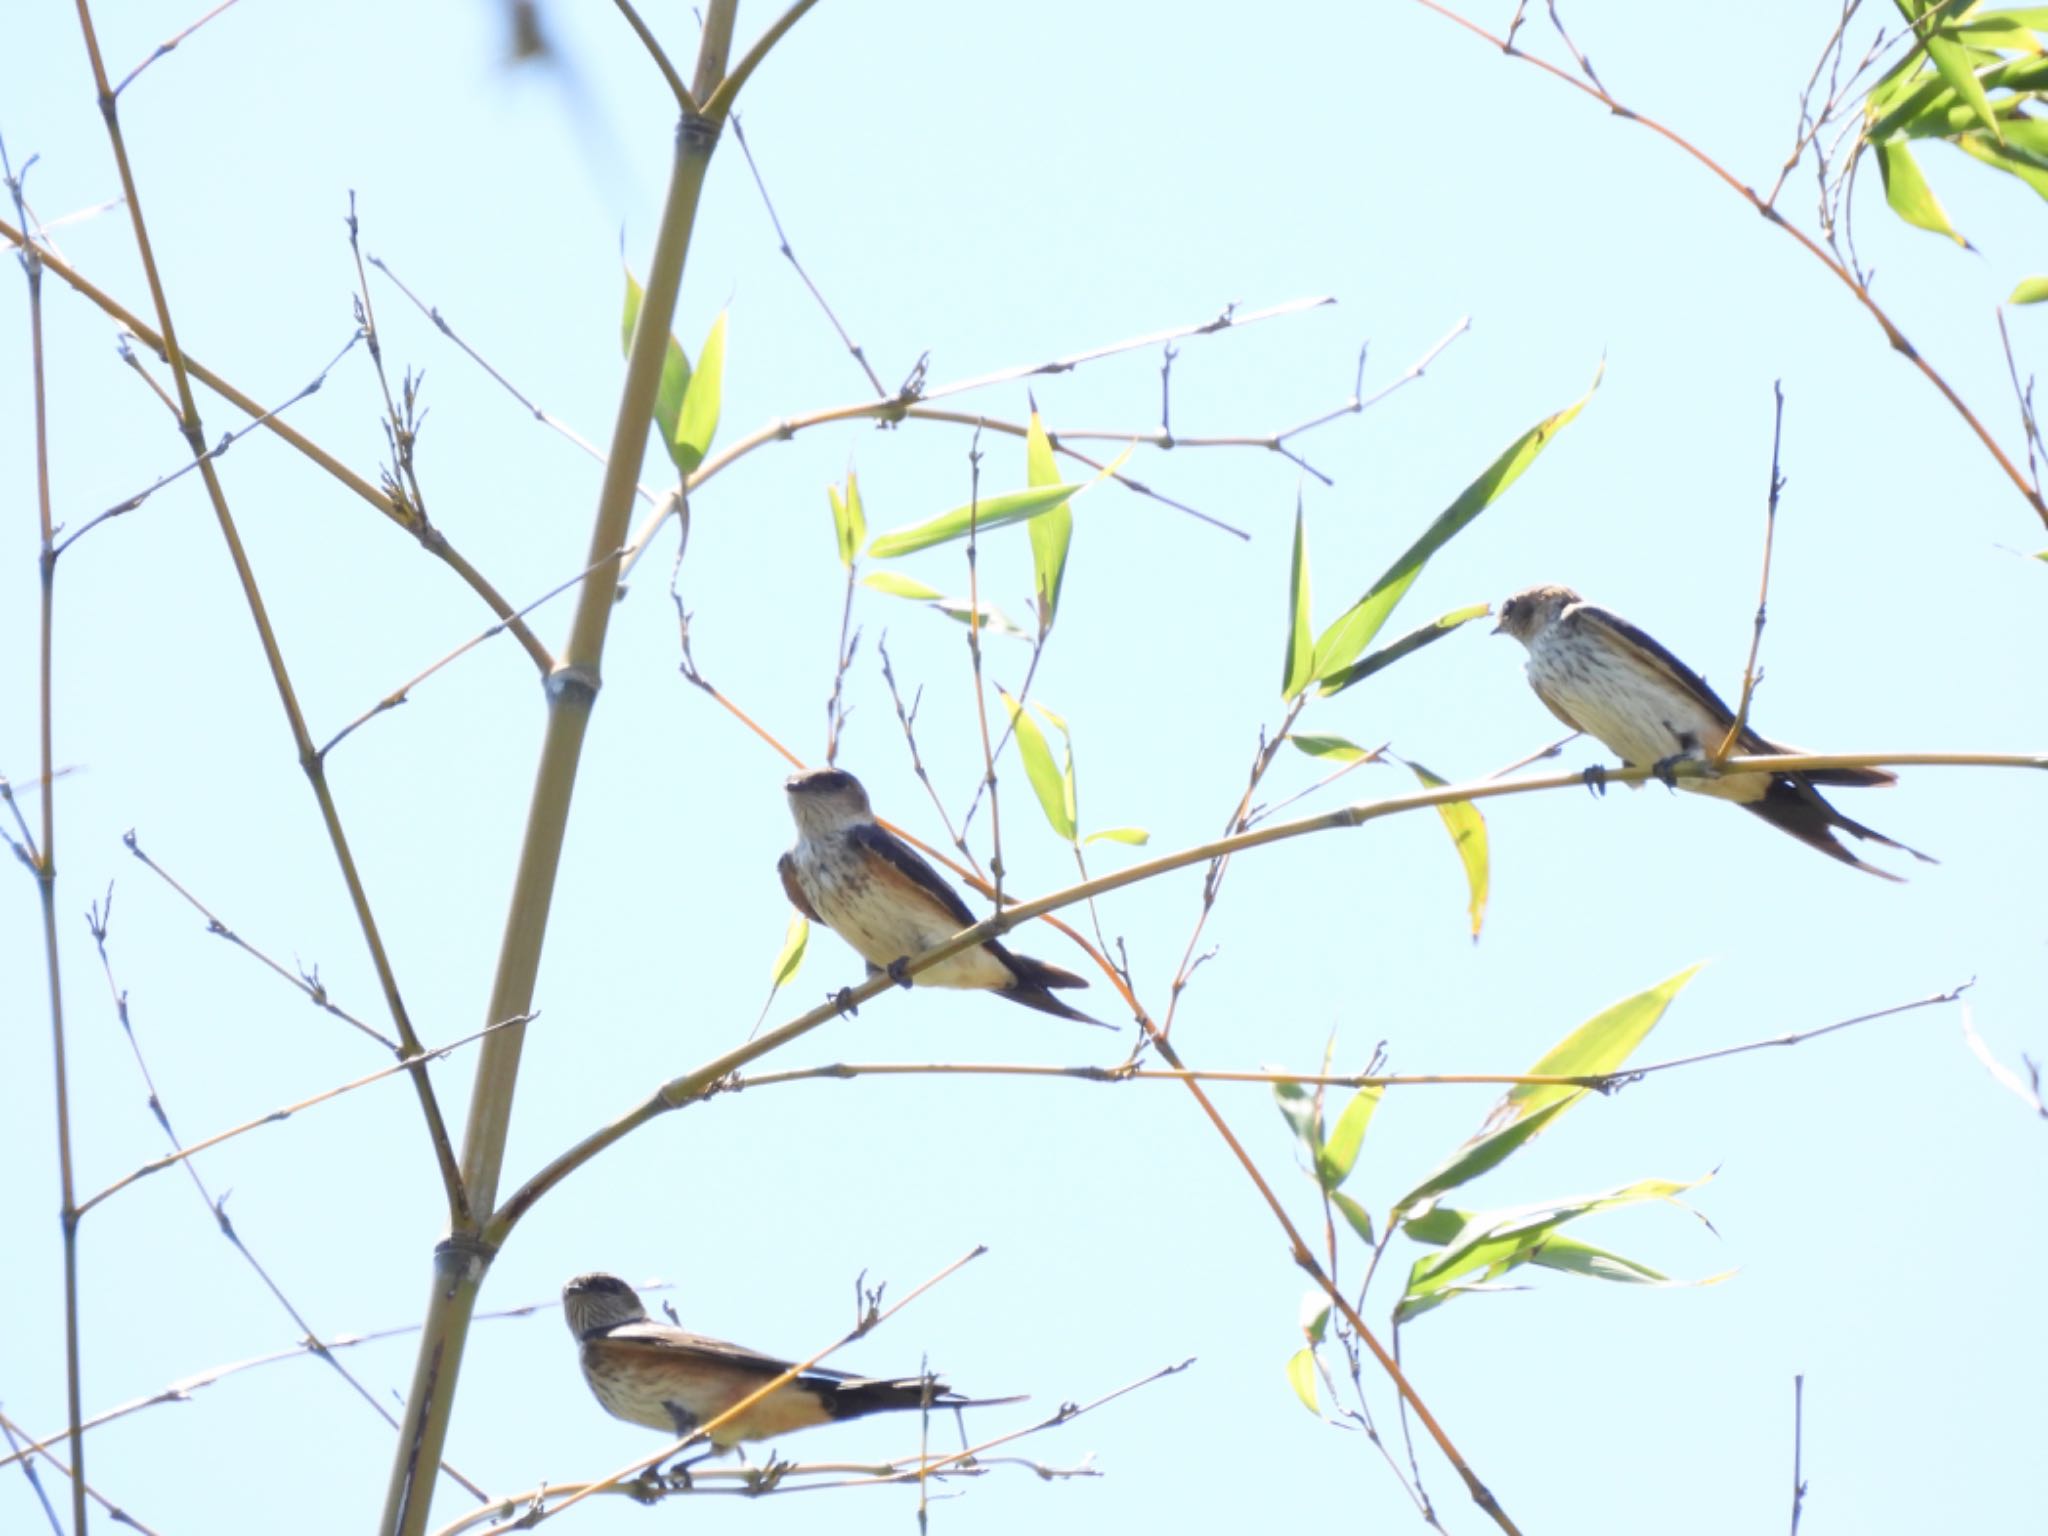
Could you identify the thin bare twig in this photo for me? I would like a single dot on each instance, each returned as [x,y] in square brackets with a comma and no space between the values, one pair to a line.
[168,44]
[2027,1092]
[1798,1448]
[1739,726]
[782,244]
[81,1490]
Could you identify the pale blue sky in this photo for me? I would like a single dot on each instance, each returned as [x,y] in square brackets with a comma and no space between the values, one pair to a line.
[1000,186]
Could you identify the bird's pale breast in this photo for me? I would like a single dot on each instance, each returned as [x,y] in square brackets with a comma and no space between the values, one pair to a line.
[884,916]
[1632,705]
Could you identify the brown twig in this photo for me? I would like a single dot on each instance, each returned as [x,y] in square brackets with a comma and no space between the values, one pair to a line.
[1739,726]
[168,44]
[80,1489]
[1895,337]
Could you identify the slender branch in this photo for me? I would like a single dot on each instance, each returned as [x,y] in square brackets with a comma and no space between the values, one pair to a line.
[1750,676]
[275,1116]
[1798,1448]
[80,1489]
[168,44]
[227,441]
[718,105]
[311,985]
[2028,1092]
[41,855]
[988,760]
[438,546]
[433,313]
[782,244]
[2023,396]
[1895,337]
[685,102]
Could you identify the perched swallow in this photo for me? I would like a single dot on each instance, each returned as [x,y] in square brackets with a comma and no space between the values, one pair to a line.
[1601,675]
[649,1373]
[870,887]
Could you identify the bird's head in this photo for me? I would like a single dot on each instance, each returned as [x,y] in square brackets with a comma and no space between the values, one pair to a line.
[827,799]
[596,1303]
[1532,610]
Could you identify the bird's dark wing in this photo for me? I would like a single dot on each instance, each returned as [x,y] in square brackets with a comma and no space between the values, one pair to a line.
[663,1339]
[786,867]
[904,859]
[1684,678]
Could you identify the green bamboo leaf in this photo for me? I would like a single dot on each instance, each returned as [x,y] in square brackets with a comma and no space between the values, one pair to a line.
[1335,748]
[849,522]
[675,367]
[1046,780]
[1340,1153]
[793,945]
[1908,193]
[1407,645]
[1953,60]
[1051,532]
[1468,833]
[1295,675]
[2028,168]
[1598,1046]
[1342,642]
[1491,1240]
[896,584]
[1135,837]
[992,512]
[2032,291]
[697,423]
[1356,1214]
[1301,1375]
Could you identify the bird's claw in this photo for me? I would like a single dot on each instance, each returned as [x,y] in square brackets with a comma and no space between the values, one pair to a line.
[898,971]
[843,1001]
[1664,768]
[1596,779]
[648,1487]
[763,1480]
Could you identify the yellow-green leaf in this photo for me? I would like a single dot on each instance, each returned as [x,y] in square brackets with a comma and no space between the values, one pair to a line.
[1908,193]
[697,423]
[849,522]
[1301,1375]
[1300,653]
[1356,1214]
[1407,645]
[675,367]
[1336,748]
[1596,1047]
[1136,837]
[1052,531]
[1342,642]
[1953,60]
[2031,291]
[1047,782]
[896,584]
[992,512]
[1336,1157]
[993,620]
[1468,832]
[793,945]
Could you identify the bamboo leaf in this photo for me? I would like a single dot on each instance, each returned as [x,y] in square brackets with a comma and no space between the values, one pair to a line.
[1135,837]
[992,512]
[1598,1046]
[1467,827]
[896,584]
[1300,653]
[1337,1156]
[1298,1108]
[1356,1214]
[1047,783]
[697,422]
[1301,1375]
[1051,532]
[993,620]
[1953,60]
[1407,645]
[2031,291]
[675,366]
[1335,748]
[1342,642]
[849,522]
[1908,193]
[794,943]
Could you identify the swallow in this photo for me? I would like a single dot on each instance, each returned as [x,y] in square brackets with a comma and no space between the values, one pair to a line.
[650,1373]
[1601,675]
[867,885]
